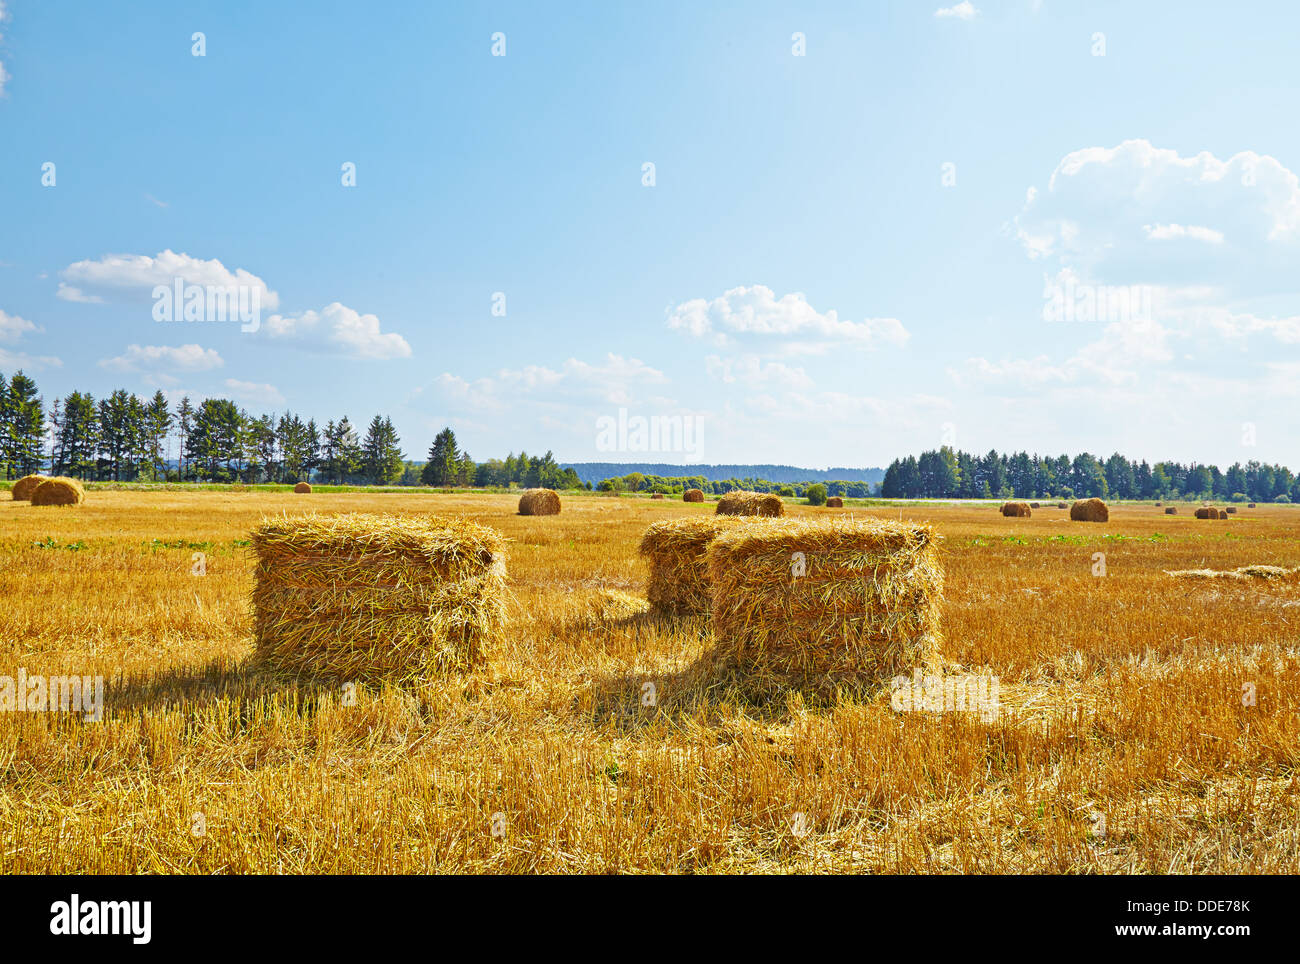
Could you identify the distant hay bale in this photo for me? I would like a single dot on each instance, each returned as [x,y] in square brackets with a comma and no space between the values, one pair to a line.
[1171,511]
[1250,505]
[1159,504]
[1034,505]
[1231,510]
[1018,510]
[59,491]
[675,551]
[834,502]
[302,488]
[738,502]
[539,502]
[372,597]
[826,603]
[24,487]
[1089,510]
[1223,514]
[1062,505]
[1205,512]
[692,495]
[657,495]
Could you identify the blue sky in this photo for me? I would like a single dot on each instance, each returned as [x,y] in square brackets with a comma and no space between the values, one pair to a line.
[845,255]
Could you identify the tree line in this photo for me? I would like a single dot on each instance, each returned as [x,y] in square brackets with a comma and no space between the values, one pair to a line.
[125,438]
[677,484]
[945,474]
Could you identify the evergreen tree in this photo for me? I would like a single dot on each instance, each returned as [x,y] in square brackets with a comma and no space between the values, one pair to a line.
[442,467]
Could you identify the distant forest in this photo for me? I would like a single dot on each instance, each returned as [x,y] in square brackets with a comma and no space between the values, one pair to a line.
[946,474]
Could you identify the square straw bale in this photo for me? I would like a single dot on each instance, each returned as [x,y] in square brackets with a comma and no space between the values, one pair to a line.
[679,578]
[826,603]
[371,597]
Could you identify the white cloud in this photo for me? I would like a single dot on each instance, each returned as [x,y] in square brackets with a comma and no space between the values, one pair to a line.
[253,393]
[153,358]
[14,360]
[1115,358]
[1105,209]
[338,328]
[751,370]
[67,292]
[756,310]
[136,275]
[961,11]
[1169,232]
[614,381]
[13,327]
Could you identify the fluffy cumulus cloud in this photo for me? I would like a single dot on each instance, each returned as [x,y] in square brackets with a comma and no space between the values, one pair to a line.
[757,311]
[134,277]
[1140,213]
[1167,264]
[959,11]
[338,329]
[163,359]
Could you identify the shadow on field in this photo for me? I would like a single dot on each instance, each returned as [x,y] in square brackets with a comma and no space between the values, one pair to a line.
[242,682]
[702,691]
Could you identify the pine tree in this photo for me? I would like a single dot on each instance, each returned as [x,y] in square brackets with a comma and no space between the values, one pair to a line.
[442,467]
[24,419]
[184,423]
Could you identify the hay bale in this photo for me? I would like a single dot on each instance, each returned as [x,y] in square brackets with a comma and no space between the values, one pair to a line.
[24,487]
[675,550]
[302,488]
[692,495]
[1034,505]
[539,502]
[372,597]
[1223,514]
[1250,505]
[657,495]
[1089,510]
[1171,511]
[1231,510]
[738,502]
[1159,504]
[1205,512]
[1062,505]
[834,502]
[858,607]
[59,491]
[1018,510]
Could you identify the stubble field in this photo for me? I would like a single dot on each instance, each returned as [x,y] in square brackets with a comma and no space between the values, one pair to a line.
[1123,744]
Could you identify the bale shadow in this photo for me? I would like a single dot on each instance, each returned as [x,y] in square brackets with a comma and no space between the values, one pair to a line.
[705,690]
[241,681]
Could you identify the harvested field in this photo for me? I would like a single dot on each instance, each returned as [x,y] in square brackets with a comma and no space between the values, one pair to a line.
[600,733]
